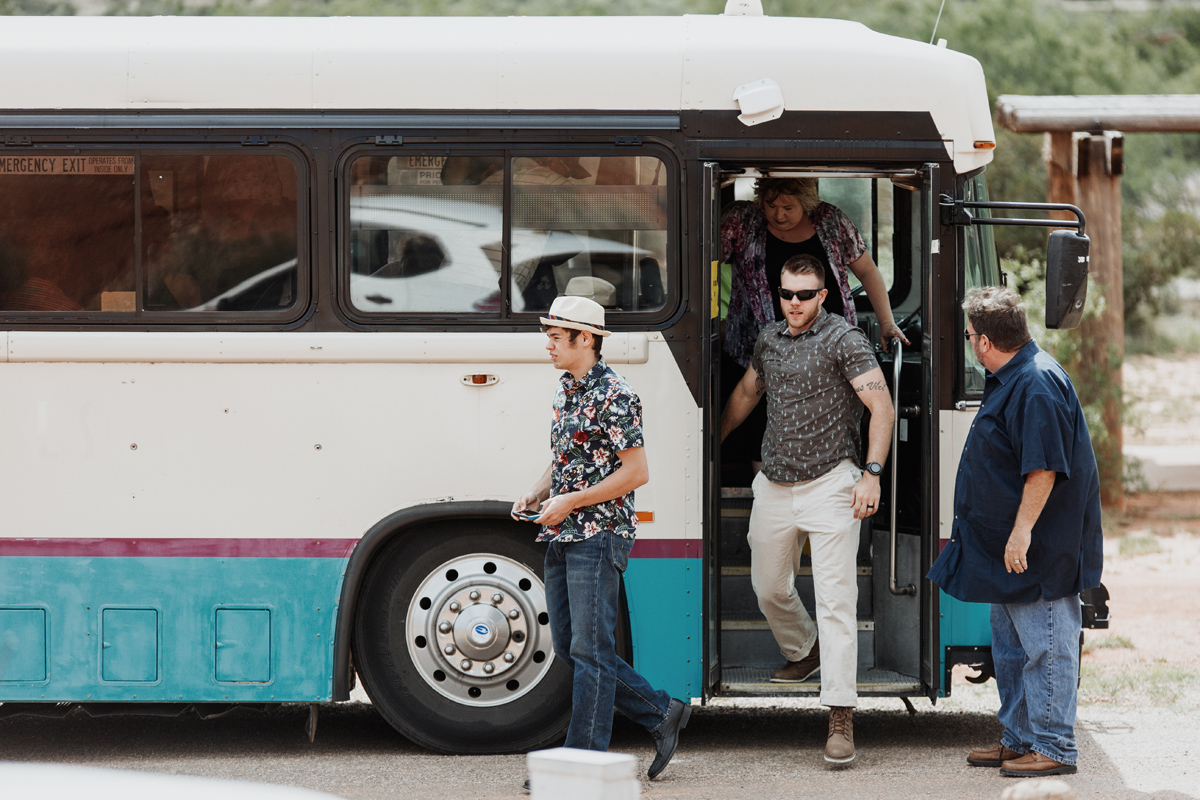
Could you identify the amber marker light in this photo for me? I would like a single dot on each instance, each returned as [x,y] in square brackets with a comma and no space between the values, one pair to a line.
[645,516]
[983,144]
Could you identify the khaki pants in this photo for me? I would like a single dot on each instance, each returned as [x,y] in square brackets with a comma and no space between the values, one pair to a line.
[820,511]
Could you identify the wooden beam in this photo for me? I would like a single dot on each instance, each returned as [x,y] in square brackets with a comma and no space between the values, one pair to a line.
[1134,113]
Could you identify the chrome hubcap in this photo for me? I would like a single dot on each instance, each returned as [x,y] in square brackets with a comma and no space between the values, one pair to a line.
[478,631]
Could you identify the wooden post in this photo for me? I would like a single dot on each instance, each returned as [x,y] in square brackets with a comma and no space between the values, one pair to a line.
[1085,169]
[1060,171]
[1102,337]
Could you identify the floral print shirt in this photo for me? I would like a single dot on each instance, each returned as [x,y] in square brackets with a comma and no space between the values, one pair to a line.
[744,243]
[595,418]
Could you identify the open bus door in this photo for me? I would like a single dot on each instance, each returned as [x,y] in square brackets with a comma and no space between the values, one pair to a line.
[930,529]
[711,254]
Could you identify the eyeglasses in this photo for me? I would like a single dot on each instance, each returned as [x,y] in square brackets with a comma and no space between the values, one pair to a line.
[804,295]
[967,334]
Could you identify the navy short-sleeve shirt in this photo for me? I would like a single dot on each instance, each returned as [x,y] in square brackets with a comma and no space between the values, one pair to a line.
[1030,419]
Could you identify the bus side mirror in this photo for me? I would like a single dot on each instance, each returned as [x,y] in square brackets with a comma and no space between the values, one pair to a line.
[1067,262]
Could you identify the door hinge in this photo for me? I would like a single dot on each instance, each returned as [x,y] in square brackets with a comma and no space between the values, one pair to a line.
[254,141]
[628,141]
[18,141]
[389,141]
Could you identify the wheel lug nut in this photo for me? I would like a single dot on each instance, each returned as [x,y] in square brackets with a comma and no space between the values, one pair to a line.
[474,594]
[445,627]
[454,606]
[509,657]
[514,613]
[448,649]
[497,598]
[466,665]
[489,668]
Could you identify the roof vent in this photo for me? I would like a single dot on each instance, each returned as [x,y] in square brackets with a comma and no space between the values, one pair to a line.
[760,101]
[743,8]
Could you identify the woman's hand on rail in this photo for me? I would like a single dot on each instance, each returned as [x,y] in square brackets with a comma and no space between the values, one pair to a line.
[889,331]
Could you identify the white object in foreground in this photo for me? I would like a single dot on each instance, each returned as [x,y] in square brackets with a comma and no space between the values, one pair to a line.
[582,775]
[1040,789]
[61,782]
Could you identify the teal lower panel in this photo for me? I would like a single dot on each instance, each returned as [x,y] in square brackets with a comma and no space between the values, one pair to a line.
[146,629]
[665,598]
[963,625]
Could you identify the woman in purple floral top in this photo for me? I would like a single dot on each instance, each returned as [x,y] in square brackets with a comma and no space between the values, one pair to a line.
[787,218]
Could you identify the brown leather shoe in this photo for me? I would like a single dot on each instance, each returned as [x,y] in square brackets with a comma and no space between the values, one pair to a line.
[1035,765]
[802,670]
[991,757]
[839,747]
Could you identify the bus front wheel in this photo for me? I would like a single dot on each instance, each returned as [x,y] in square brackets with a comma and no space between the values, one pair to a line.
[452,641]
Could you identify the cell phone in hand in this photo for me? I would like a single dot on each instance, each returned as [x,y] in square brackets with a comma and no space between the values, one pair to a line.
[532,516]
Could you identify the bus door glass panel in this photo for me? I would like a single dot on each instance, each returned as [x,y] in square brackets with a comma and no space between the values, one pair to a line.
[868,204]
[980,268]
[219,232]
[67,225]
[589,226]
[427,233]
[711,259]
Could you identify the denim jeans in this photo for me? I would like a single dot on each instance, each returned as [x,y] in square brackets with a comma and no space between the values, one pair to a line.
[1035,648]
[583,582]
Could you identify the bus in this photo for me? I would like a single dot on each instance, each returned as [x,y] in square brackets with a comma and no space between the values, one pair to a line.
[271,372]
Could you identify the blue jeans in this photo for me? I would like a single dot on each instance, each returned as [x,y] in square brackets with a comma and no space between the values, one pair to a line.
[583,582]
[1035,648]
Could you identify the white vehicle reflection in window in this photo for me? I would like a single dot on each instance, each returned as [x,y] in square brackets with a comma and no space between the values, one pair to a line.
[448,258]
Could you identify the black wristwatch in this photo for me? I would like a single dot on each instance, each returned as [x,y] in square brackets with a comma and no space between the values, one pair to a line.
[875,468]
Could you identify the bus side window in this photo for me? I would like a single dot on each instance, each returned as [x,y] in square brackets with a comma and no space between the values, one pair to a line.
[66,233]
[591,226]
[219,232]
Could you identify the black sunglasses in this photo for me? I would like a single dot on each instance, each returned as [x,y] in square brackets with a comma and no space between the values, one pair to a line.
[967,334]
[804,295]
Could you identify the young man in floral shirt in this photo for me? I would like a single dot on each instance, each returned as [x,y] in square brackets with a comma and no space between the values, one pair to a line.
[584,501]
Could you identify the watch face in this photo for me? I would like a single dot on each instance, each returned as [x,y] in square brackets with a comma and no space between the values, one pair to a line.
[875,468]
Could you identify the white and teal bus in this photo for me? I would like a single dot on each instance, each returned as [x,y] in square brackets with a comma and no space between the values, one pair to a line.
[271,372]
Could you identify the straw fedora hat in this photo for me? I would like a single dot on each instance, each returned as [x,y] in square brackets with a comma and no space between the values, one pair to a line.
[578,313]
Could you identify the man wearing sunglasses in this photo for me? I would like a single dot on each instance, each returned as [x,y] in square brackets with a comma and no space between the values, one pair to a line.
[818,372]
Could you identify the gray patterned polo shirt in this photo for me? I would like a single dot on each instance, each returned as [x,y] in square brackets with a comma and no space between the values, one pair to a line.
[813,412]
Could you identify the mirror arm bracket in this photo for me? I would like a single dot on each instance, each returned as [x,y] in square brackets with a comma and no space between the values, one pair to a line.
[954,212]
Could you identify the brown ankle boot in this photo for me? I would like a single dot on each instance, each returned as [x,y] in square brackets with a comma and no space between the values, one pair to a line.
[802,670]
[839,747]
[992,756]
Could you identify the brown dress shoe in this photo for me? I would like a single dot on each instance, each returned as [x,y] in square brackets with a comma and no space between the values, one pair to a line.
[1035,765]
[839,747]
[802,670]
[991,757]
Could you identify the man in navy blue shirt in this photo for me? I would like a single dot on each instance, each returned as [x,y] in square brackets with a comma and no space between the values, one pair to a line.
[1026,535]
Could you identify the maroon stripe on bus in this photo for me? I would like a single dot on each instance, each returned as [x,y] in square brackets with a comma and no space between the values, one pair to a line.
[666,548]
[179,548]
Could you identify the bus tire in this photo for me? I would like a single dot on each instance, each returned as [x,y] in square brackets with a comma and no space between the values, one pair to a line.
[445,662]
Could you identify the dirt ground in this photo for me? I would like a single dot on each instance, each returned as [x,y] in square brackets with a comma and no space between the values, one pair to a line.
[1163,394]
[1152,555]
[1151,652]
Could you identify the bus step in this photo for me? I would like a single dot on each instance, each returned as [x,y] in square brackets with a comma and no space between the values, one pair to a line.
[737,595]
[751,682]
[732,572]
[760,624]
